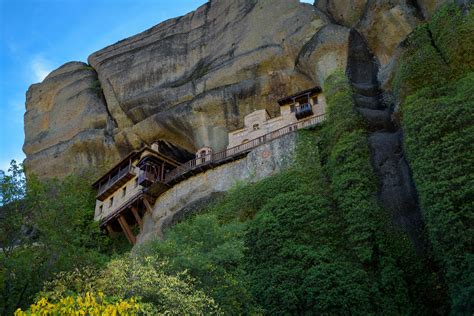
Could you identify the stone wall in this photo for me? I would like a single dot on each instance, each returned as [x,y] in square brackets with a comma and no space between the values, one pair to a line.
[194,192]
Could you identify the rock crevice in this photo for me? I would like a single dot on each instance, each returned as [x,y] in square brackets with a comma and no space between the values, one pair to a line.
[397,192]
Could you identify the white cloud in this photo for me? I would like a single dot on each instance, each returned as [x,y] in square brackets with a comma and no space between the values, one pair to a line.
[40,68]
[307,1]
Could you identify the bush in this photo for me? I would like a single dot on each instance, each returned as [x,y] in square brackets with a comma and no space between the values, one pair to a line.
[144,278]
[46,227]
[439,139]
[451,30]
[437,52]
[212,254]
[437,116]
[88,304]
[294,261]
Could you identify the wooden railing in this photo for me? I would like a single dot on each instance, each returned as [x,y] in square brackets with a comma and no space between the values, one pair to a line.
[219,157]
[113,179]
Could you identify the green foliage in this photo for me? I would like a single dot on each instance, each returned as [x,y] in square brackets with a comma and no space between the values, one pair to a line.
[159,292]
[244,200]
[452,31]
[439,139]
[294,259]
[437,117]
[46,227]
[212,254]
[437,52]
[341,117]
[87,67]
[421,64]
[145,277]
[400,283]
[96,86]
[354,187]
[12,209]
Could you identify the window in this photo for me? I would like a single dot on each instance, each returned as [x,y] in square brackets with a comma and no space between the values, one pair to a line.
[101,208]
[124,192]
[111,202]
[136,182]
[292,108]
[315,100]
[203,155]
[256,127]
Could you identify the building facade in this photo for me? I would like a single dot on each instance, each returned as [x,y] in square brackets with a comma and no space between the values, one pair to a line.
[131,187]
[303,105]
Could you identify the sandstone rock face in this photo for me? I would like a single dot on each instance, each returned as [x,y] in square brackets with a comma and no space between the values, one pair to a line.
[192,79]
[190,195]
[325,52]
[384,24]
[348,12]
[67,126]
[188,80]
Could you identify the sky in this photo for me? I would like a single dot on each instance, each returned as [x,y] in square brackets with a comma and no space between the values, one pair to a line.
[38,36]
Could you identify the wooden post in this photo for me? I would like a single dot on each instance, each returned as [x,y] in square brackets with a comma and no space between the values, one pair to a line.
[162,177]
[126,229]
[137,216]
[147,205]
[109,229]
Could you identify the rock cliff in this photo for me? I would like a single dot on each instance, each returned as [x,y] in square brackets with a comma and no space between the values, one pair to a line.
[191,79]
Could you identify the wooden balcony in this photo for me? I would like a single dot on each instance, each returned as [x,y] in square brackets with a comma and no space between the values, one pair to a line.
[146,178]
[303,110]
[115,181]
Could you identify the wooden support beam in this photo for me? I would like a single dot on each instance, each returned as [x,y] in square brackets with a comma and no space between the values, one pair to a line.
[137,216]
[109,229]
[126,229]
[162,176]
[147,205]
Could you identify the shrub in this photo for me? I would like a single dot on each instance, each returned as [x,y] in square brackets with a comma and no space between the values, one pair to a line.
[437,115]
[144,278]
[439,139]
[88,304]
[212,253]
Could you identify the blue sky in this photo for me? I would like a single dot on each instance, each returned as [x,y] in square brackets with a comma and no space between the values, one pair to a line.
[37,36]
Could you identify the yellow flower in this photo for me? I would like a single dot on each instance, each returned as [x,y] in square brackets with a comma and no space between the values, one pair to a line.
[87,304]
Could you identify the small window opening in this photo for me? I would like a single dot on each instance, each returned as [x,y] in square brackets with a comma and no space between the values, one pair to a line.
[256,127]
[124,192]
[101,208]
[136,182]
[111,202]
